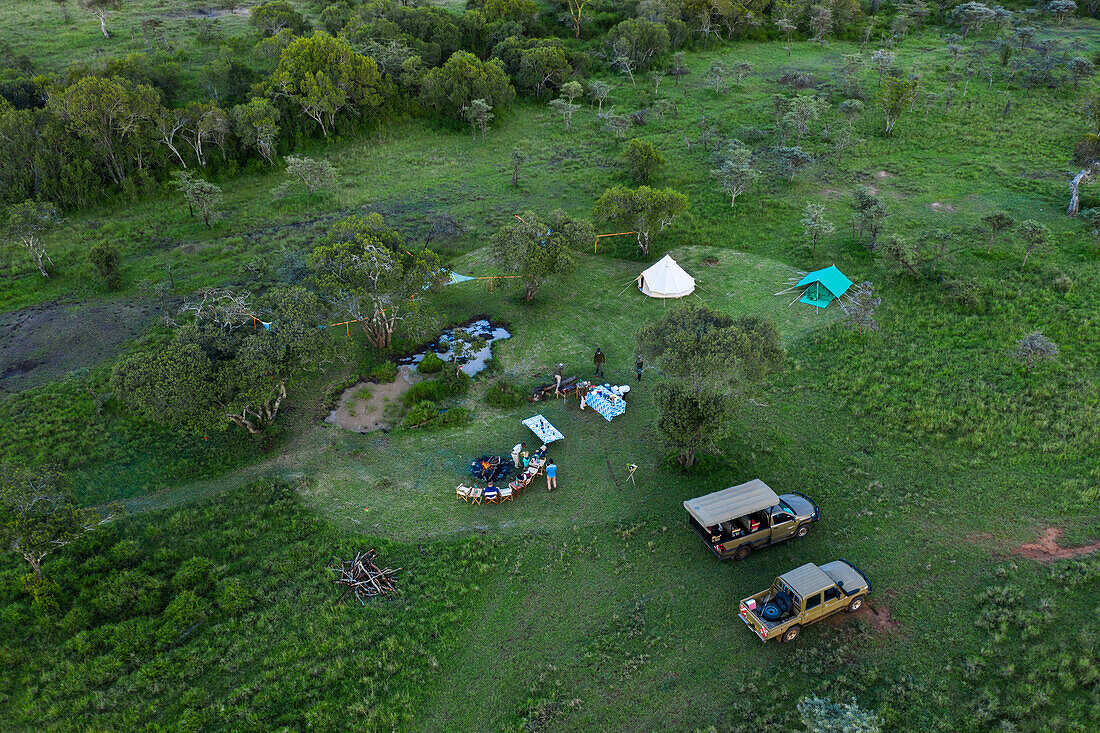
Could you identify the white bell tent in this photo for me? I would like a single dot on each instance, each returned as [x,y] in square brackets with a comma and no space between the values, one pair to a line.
[666,279]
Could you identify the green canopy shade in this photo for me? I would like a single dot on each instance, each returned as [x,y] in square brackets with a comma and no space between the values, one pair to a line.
[456,279]
[824,286]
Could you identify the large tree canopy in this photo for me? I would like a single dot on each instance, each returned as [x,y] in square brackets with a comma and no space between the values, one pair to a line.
[537,248]
[365,271]
[325,77]
[222,366]
[647,211]
[708,359]
[463,79]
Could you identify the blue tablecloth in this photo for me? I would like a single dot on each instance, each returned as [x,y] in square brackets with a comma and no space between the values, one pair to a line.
[546,432]
[600,400]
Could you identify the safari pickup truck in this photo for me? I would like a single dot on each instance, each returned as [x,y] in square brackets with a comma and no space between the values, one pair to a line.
[803,596]
[735,521]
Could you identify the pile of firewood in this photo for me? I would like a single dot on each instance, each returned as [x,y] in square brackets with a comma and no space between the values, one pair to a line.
[363,578]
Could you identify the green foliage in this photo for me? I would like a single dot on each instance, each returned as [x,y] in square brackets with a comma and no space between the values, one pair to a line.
[642,161]
[821,715]
[275,15]
[504,394]
[325,78]
[363,267]
[537,250]
[197,574]
[430,364]
[647,211]
[105,258]
[383,373]
[640,40]
[462,79]
[182,615]
[216,371]
[430,390]
[706,357]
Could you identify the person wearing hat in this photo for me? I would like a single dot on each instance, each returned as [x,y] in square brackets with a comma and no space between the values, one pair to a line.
[598,360]
[558,373]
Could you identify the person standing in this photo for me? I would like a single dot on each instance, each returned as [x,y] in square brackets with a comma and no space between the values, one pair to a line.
[558,374]
[551,475]
[598,360]
[517,451]
[639,366]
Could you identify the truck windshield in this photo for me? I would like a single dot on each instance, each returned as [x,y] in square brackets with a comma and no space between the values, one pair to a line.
[786,507]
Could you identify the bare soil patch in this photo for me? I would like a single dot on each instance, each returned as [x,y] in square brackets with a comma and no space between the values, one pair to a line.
[937,206]
[884,174]
[879,617]
[1047,549]
[42,342]
[362,415]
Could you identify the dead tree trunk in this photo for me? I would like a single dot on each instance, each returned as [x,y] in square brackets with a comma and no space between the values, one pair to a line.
[1075,191]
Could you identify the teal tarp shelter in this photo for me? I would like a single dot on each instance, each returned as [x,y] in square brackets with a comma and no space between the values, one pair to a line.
[823,286]
[455,279]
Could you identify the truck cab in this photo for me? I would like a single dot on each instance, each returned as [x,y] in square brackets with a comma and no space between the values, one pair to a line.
[804,596]
[735,521]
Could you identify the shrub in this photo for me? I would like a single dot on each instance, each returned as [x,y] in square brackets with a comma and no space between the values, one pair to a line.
[185,611]
[456,382]
[504,394]
[642,161]
[454,417]
[105,258]
[431,390]
[383,373]
[431,364]
[420,414]
[128,593]
[196,574]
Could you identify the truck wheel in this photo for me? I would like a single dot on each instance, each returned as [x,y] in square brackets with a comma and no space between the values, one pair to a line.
[742,552]
[855,605]
[791,634]
[802,531]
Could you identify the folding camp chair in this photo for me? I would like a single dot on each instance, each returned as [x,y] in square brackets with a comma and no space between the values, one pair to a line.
[492,496]
[506,494]
[463,492]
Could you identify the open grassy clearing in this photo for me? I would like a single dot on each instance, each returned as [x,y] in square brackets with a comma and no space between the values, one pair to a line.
[931,455]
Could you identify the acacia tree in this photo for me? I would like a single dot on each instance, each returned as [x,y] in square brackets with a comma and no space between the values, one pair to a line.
[100,9]
[538,249]
[519,156]
[257,126]
[324,76]
[895,98]
[996,224]
[1036,237]
[642,160]
[735,172]
[479,114]
[648,211]
[870,215]
[364,270]
[39,515]
[114,116]
[30,222]
[1034,347]
[708,360]
[576,14]
[465,77]
[313,175]
[816,226]
[599,90]
[226,365]
[566,109]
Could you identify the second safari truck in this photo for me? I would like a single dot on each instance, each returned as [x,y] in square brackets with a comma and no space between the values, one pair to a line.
[735,521]
[803,596]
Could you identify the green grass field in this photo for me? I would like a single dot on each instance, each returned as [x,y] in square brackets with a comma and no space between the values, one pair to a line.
[932,455]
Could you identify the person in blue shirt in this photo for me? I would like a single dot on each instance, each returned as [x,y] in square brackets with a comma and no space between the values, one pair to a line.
[551,476]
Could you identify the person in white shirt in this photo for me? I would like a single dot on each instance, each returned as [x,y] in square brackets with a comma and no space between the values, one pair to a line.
[517,450]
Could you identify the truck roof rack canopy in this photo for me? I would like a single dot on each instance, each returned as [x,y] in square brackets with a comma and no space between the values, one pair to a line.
[807,579]
[736,501]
